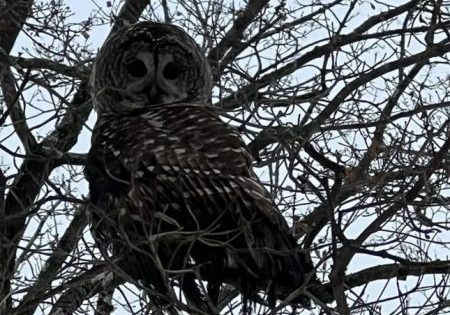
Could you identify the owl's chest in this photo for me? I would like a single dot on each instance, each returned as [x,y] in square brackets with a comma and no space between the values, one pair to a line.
[167,135]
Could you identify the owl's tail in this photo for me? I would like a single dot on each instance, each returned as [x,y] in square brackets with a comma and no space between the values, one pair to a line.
[278,266]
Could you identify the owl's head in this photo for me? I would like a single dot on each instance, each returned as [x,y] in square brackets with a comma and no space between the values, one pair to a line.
[149,64]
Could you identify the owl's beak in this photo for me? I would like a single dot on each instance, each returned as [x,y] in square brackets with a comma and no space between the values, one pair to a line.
[156,94]
[153,91]
[161,87]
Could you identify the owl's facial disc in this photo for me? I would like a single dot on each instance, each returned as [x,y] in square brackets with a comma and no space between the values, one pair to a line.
[147,64]
[159,78]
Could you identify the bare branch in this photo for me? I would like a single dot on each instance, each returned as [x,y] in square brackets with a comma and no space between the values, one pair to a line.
[235,33]
[54,263]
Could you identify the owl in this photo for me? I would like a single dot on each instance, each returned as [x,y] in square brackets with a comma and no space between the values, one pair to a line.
[174,198]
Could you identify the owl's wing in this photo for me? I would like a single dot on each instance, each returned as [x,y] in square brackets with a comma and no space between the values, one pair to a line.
[195,148]
[185,149]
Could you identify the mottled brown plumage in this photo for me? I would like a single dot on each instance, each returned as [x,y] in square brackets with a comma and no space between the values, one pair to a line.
[171,185]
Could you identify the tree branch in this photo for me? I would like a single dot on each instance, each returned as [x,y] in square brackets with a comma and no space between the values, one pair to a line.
[234,35]
[272,135]
[78,72]
[249,92]
[400,271]
[84,287]
[54,263]
[319,215]
[13,16]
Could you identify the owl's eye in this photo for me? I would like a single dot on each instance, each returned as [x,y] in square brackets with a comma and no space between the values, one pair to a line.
[172,71]
[137,68]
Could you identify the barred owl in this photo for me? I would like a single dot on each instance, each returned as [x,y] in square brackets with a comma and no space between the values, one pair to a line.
[171,185]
